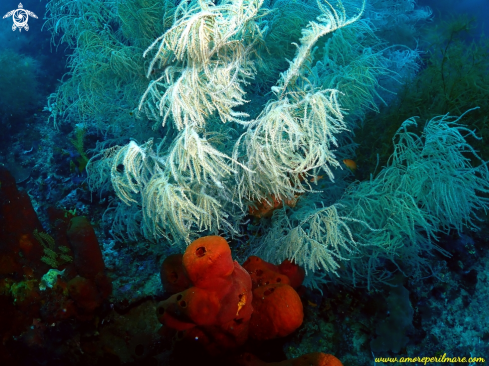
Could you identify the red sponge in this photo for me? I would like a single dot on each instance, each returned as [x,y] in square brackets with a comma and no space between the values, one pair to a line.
[295,273]
[208,262]
[194,305]
[278,312]
[216,310]
[277,307]
[87,255]
[220,309]
[263,273]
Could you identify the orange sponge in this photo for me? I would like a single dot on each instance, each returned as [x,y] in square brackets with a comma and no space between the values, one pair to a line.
[214,312]
[277,312]
[277,306]
[263,273]
[226,303]
[208,262]
[194,305]
[295,273]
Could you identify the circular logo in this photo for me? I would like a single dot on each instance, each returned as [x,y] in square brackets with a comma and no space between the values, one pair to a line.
[20,18]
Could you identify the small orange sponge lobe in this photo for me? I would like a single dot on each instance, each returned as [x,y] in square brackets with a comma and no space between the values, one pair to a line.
[277,312]
[208,261]
[295,273]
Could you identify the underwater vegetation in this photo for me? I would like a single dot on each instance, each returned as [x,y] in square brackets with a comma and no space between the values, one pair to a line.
[202,170]
[453,78]
[205,165]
